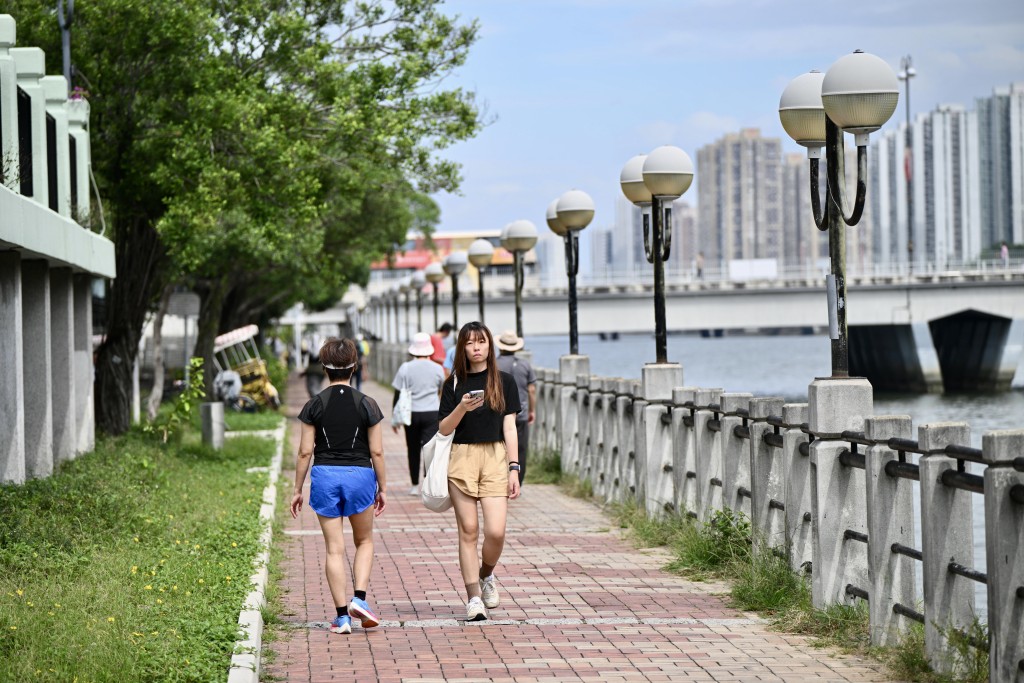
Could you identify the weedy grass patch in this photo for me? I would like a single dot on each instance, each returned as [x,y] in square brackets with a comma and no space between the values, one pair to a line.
[131,562]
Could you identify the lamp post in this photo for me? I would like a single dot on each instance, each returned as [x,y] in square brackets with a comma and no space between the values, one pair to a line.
[857,95]
[434,272]
[394,301]
[417,280]
[481,253]
[519,237]
[653,182]
[907,71]
[454,264]
[567,216]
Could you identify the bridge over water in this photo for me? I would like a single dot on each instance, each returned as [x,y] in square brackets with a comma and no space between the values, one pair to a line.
[955,330]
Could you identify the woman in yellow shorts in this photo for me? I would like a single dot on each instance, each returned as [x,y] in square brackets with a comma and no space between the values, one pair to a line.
[479,403]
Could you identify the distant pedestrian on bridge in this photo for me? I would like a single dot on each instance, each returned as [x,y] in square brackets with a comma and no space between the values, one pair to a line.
[484,466]
[1004,254]
[341,434]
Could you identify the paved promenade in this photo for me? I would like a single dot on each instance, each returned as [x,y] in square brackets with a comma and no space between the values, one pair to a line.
[578,603]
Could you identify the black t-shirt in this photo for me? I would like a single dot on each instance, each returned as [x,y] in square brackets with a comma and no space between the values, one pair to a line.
[342,417]
[482,425]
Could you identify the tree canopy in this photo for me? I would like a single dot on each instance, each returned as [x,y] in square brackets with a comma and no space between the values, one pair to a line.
[262,152]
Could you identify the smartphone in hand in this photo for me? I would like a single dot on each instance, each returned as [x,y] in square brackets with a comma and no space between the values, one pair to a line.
[476,392]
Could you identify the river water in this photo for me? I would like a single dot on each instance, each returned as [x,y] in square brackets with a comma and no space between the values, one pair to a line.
[784,366]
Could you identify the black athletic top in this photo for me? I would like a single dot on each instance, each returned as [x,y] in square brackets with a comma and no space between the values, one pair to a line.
[342,417]
[482,425]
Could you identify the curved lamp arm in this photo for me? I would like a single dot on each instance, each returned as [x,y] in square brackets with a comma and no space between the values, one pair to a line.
[836,169]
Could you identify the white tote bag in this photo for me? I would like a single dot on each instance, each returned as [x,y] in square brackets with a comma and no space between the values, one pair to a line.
[436,453]
[401,414]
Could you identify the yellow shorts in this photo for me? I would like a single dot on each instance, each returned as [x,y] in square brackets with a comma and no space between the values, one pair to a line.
[479,470]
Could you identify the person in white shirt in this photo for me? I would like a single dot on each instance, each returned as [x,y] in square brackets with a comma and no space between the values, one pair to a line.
[423,379]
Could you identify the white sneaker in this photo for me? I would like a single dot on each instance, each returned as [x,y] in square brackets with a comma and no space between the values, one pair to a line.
[475,610]
[489,588]
[415,490]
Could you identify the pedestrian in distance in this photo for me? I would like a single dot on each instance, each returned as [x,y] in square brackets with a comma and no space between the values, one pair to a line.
[314,374]
[1004,255]
[423,379]
[526,382]
[440,342]
[342,436]
[479,404]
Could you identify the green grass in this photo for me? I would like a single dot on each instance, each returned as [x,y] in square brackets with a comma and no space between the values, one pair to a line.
[131,563]
[245,422]
[544,467]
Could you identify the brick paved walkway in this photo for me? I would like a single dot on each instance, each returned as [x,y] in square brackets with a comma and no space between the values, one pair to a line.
[578,603]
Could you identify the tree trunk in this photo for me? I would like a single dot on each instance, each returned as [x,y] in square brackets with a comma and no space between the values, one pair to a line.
[138,258]
[157,394]
[213,294]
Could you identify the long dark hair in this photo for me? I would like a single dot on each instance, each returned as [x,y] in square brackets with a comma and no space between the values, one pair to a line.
[494,394]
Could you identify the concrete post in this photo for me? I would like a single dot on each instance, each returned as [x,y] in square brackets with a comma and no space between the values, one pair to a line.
[767,479]
[570,367]
[212,415]
[735,454]
[38,377]
[55,89]
[1004,531]
[538,425]
[598,436]
[625,446]
[12,387]
[639,444]
[31,65]
[684,453]
[78,129]
[8,101]
[659,379]
[658,461]
[838,494]
[62,354]
[946,536]
[551,438]
[585,455]
[890,506]
[797,476]
[709,455]
[85,421]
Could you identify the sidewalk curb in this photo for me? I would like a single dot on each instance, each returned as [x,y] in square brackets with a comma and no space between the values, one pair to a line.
[245,662]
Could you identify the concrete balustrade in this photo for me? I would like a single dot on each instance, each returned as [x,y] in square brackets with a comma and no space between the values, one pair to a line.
[735,467]
[47,265]
[766,475]
[626,446]
[947,536]
[1004,552]
[709,454]
[890,521]
[796,465]
[684,452]
[585,453]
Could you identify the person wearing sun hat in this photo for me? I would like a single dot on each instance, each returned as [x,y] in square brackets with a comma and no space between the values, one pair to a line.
[526,381]
[423,379]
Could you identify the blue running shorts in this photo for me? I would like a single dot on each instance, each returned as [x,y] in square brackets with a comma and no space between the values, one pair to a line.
[341,490]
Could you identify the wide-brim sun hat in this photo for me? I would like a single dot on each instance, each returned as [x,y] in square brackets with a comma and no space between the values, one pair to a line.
[421,345]
[509,341]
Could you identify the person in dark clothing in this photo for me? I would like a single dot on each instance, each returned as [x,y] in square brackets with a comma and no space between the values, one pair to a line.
[479,404]
[341,435]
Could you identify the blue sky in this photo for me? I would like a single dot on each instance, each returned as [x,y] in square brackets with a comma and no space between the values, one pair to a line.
[576,87]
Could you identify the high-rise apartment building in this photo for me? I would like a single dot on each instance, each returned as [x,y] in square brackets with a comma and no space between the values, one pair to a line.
[1001,165]
[740,198]
[943,166]
[804,243]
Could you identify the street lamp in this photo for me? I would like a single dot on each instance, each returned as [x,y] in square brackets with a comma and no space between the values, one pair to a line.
[417,280]
[857,95]
[394,301]
[652,182]
[434,272]
[454,264]
[519,237]
[481,252]
[567,216]
[907,71]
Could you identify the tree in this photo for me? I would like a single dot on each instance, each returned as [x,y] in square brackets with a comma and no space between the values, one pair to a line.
[264,151]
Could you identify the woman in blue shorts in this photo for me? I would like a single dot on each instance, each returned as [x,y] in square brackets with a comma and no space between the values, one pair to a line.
[341,434]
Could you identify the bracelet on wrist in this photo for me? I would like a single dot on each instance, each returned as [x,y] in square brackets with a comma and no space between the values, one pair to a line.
[513,467]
